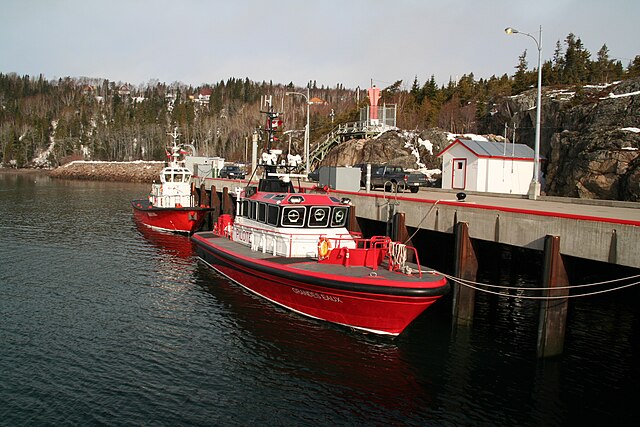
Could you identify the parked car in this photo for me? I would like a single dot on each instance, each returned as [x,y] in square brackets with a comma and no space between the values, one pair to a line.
[231,172]
[392,178]
[314,175]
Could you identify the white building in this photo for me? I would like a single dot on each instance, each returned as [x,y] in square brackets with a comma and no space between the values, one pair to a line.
[494,167]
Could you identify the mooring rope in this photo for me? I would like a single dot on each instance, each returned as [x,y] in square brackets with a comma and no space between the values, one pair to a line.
[421,221]
[586,285]
[398,253]
[479,286]
[467,284]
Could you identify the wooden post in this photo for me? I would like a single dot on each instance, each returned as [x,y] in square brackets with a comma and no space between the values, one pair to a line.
[353,220]
[203,196]
[195,194]
[215,204]
[399,233]
[227,203]
[465,267]
[399,230]
[553,312]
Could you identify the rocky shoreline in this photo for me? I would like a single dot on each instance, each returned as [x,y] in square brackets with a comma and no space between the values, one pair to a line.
[138,171]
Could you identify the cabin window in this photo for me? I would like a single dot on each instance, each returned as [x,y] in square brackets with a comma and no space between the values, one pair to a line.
[252,210]
[262,212]
[273,213]
[167,177]
[339,217]
[245,208]
[319,216]
[293,216]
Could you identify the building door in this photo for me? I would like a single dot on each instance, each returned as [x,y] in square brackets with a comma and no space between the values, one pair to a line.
[459,180]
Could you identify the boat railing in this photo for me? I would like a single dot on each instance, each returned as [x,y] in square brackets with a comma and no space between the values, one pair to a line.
[278,242]
[171,201]
[368,253]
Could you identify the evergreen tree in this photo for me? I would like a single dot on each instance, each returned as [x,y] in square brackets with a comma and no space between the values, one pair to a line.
[520,78]
[602,67]
[417,92]
[633,70]
[430,88]
[557,68]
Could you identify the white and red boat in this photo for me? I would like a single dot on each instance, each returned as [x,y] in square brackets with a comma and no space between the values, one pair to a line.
[172,205]
[295,250]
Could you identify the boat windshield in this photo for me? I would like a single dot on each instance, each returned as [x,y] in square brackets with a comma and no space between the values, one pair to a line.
[295,216]
[177,175]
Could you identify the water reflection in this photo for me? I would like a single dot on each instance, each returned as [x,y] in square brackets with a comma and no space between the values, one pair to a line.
[105,322]
[167,243]
[352,367]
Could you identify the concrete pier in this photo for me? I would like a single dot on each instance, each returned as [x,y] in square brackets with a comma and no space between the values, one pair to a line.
[606,231]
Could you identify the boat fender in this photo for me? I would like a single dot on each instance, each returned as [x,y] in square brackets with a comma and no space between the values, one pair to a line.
[324,248]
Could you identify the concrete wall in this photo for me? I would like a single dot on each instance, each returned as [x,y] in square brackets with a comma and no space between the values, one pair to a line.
[594,240]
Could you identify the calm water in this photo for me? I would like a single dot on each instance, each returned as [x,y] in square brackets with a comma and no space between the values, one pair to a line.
[105,323]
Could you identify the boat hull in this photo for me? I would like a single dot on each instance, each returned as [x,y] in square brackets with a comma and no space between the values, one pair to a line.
[387,307]
[184,220]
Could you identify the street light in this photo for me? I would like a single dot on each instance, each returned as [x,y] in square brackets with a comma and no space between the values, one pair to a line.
[534,188]
[306,129]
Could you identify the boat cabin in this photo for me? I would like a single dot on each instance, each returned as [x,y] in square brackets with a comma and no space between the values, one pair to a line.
[175,174]
[289,224]
[174,189]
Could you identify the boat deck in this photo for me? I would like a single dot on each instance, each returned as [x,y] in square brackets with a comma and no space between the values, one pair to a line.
[311,265]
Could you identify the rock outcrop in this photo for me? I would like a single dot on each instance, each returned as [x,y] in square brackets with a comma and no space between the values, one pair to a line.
[595,155]
[409,149]
[590,138]
[110,171]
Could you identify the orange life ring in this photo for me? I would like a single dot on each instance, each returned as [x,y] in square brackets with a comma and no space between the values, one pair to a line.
[324,248]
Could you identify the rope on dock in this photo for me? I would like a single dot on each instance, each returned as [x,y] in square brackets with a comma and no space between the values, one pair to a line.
[421,221]
[480,287]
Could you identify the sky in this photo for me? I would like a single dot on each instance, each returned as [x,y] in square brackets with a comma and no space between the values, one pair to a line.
[350,42]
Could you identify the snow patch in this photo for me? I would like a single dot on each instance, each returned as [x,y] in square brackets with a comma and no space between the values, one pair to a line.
[430,173]
[622,95]
[104,162]
[474,137]
[635,130]
[426,144]
[43,158]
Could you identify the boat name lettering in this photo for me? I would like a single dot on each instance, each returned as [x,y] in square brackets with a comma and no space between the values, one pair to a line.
[244,235]
[316,295]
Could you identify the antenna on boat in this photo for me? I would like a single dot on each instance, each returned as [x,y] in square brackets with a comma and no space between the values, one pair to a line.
[176,150]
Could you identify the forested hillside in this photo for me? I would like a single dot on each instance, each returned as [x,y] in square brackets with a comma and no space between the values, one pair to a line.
[46,123]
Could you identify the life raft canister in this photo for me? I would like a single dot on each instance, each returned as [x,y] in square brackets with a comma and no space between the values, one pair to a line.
[223,225]
[324,248]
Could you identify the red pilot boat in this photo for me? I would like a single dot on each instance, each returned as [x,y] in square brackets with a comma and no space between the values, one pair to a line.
[294,250]
[171,205]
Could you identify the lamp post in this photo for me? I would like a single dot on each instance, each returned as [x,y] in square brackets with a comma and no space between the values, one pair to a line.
[306,129]
[534,188]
